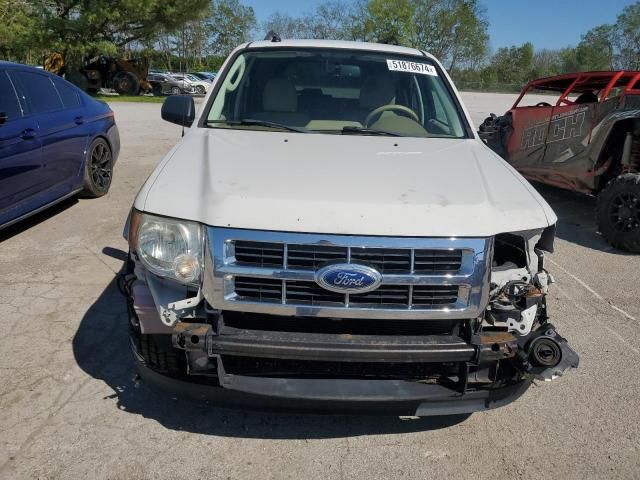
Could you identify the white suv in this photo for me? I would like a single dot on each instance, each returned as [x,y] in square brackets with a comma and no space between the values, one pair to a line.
[331,233]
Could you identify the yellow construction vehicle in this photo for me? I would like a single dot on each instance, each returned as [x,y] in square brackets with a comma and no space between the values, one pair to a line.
[124,76]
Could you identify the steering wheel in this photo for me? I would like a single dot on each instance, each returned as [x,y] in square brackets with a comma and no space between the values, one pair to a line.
[543,104]
[390,107]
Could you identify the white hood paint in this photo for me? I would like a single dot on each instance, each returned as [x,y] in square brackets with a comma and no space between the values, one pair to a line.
[342,184]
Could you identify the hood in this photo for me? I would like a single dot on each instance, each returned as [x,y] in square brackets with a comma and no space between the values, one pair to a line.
[342,184]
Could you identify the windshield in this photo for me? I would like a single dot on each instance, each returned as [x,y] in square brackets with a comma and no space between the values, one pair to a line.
[334,91]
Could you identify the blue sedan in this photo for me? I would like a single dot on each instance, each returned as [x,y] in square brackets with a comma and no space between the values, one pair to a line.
[55,142]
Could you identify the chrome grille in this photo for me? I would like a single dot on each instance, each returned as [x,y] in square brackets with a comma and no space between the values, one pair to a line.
[259,254]
[274,273]
[312,257]
[294,292]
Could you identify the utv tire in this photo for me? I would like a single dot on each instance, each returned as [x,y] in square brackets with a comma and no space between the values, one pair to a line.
[98,169]
[618,212]
[126,83]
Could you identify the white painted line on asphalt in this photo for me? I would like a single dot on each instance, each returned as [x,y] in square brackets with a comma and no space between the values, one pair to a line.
[593,292]
[604,325]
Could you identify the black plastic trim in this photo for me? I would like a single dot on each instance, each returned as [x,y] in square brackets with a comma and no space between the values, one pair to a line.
[329,397]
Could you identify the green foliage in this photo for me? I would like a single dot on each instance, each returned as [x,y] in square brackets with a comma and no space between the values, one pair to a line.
[199,34]
[16,26]
[392,22]
[229,25]
[595,50]
[85,27]
[453,30]
[626,38]
[204,42]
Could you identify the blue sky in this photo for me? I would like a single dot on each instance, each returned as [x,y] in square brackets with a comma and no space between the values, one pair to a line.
[546,23]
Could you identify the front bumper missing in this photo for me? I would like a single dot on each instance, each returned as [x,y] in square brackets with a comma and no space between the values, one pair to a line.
[206,352]
[384,397]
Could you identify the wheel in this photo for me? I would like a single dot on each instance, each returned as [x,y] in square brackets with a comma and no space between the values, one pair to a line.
[200,90]
[126,83]
[159,354]
[98,169]
[618,212]
[175,91]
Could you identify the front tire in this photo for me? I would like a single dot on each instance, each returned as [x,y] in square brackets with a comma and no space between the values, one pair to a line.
[618,212]
[98,169]
[159,354]
[126,83]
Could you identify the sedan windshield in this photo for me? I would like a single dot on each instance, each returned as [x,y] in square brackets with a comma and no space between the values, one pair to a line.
[336,91]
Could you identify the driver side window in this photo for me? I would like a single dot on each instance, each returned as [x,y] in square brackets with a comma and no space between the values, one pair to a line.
[9,105]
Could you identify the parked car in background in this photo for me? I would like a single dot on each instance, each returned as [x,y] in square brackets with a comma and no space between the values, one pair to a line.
[587,141]
[331,233]
[206,76]
[55,142]
[164,84]
[200,86]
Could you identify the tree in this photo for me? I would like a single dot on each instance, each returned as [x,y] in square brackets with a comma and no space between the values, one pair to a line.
[204,42]
[331,20]
[15,27]
[391,21]
[74,26]
[455,31]
[626,38]
[229,24]
[546,63]
[286,26]
[595,50]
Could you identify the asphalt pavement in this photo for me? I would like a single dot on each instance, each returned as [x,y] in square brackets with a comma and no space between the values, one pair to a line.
[69,407]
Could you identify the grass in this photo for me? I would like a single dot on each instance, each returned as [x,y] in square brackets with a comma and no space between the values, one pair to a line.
[126,98]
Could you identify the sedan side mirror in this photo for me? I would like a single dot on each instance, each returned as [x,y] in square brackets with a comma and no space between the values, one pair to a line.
[3,117]
[179,109]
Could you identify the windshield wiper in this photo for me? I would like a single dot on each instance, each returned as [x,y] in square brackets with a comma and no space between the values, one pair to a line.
[260,123]
[367,131]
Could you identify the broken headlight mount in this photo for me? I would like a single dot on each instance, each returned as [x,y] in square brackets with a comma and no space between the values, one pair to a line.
[517,303]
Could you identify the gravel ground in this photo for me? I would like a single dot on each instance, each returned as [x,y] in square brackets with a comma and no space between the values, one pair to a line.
[69,408]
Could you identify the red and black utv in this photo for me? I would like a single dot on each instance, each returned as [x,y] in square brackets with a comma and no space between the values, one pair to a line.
[585,138]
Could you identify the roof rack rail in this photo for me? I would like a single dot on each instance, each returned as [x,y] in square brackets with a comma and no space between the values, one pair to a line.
[273,37]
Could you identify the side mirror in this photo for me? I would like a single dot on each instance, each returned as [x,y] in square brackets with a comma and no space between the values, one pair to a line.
[179,109]
[3,117]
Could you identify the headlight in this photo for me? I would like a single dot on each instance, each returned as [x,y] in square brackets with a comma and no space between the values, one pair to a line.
[167,247]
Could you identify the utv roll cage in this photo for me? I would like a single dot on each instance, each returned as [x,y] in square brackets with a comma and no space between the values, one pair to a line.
[584,82]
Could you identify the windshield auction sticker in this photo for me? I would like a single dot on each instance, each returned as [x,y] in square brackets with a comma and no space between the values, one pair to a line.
[411,67]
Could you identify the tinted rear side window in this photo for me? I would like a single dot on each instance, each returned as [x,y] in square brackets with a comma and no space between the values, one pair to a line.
[68,93]
[8,100]
[37,92]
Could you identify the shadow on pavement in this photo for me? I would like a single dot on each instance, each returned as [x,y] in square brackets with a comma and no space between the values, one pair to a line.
[101,348]
[576,218]
[36,219]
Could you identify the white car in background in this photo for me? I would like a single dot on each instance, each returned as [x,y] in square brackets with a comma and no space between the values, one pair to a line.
[200,86]
[331,233]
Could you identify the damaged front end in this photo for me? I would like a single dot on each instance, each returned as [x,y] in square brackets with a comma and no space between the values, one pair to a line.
[197,338]
[517,305]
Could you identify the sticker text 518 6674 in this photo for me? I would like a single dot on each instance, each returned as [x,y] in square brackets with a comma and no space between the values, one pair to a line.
[412,67]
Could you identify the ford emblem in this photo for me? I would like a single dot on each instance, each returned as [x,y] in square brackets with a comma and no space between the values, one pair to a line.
[348,278]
